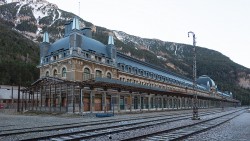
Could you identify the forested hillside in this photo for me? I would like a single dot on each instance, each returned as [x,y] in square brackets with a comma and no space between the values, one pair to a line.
[19,57]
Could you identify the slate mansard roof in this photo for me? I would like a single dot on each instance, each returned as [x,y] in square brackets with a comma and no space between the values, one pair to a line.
[87,44]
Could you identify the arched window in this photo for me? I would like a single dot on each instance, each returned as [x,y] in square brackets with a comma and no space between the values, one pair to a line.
[47,74]
[63,72]
[86,74]
[109,75]
[98,73]
[55,73]
[141,72]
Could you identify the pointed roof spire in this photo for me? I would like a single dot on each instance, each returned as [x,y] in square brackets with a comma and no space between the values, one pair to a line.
[46,37]
[111,39]
[75,24]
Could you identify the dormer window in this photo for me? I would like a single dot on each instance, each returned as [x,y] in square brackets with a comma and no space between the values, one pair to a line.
[164,79]
[87,55]
[141,72]
[135,70]
[129,69]
[99,59]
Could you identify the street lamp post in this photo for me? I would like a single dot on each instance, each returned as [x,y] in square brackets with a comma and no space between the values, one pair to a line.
[195,107]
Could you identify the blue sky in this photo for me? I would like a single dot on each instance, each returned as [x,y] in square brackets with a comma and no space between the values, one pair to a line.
[222,25]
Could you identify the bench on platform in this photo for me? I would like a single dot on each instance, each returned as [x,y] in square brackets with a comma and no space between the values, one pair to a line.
[104,115]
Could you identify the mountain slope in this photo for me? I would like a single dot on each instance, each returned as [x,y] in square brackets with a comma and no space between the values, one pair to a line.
[33,18]
[19,57]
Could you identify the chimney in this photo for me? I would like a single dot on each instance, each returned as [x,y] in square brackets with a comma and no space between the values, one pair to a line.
[87,32]
[68,27]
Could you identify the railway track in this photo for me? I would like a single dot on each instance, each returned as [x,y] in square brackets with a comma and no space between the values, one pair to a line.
[183,132]
[24,130]
[83,133]
[100,128]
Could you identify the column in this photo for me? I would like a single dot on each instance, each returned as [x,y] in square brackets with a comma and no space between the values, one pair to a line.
[60,98]
[70,101]
[118,102]
[73,98]
[130,102]
[41,102]
[67,98]
[180,99]
[143,102]
[37,99]
[149,102]
[32,98]
[104,95]
[50,97]
[162,106]
[81,102]
[55,100]
[156,102]
[172,102]
[140,103]
[167,102]
[176,102]
[92,101]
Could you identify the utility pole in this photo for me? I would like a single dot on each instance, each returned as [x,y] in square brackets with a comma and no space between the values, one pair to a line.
[79,4]
[195,107]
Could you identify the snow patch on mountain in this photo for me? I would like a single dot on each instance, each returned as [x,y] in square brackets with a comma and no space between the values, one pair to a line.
[176,47]
[37,12]
[17,13]
[118,36]
[54,17]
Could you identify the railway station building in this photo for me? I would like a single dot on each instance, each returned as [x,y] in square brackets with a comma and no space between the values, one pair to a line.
[82,75]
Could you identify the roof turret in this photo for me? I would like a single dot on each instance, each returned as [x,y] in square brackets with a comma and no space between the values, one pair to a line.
[111,39]
[46,37]
[75,24]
